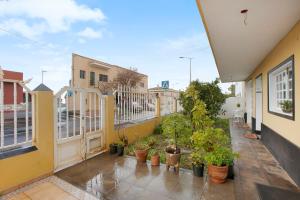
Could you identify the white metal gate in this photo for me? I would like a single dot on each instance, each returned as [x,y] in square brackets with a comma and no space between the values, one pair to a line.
[79,130]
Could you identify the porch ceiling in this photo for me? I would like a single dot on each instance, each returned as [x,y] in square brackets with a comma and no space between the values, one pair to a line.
[238,48]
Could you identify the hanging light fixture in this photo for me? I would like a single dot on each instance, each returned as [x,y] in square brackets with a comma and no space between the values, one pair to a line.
[245,13]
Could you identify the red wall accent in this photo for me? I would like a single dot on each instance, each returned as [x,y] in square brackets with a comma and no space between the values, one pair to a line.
[9,87]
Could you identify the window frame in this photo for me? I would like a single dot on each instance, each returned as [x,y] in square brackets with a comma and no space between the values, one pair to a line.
[92,82]
[84,74]
[282,64]
[103,75]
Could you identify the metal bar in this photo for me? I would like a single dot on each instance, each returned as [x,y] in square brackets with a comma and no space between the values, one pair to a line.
[95,110]
[26,117]
[2,114]
[67,113]
[90,110]
[100,112]
[59,117]
[15,114]
[74,112]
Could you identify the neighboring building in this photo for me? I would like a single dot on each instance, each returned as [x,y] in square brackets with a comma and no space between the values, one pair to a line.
[261,46]
[89,73]
[8,85]
[169,98]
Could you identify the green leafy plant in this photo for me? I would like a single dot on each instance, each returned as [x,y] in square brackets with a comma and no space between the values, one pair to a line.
[287,106]
[197,158]
[200,119]
[153,152]
[221,156]
[208,92]
[120,143]
[209,139]
[238,105]
[176,126]
[141,145]
[157,130]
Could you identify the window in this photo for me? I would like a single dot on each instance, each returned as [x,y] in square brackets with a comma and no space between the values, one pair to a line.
[82,74]
[142,85]
[103,78]
[92,78]
[281,89]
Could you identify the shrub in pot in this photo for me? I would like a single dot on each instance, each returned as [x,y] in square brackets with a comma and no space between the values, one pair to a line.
[175,127]
[155,158]
[113,148]
[120,148]
[198,163]
[209,139]
[218,162]
[141,151]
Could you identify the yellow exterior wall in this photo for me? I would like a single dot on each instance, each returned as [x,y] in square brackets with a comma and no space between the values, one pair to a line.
[133,131]
[17,170]
[289,45]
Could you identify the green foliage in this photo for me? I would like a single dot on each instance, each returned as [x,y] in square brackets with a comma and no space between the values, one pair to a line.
[141,145]
[158,130]
[221,156]
[120,143]
[200,119]
[222,124]
[197,157]
[177,126]
[209,93]
[209,139]
[153,152]
[130,150]
[287,106]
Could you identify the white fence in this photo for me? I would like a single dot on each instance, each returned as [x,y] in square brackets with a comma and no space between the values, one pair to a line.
[16,114]
[133,104]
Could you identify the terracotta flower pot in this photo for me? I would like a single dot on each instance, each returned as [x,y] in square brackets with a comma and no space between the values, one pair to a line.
[217,174]
[141,155]
[155,160]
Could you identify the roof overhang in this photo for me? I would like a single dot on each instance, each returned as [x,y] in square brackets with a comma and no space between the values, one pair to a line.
[100,65]
[239,48]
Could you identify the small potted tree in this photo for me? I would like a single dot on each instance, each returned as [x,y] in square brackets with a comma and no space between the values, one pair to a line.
[198,163]
[141,151]
[218,162]
[173,126]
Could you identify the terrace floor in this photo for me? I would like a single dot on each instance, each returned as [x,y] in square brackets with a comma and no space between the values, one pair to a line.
[258,175]
[111,177]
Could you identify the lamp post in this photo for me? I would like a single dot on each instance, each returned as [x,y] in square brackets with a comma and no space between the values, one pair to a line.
[190,58]
[43,71]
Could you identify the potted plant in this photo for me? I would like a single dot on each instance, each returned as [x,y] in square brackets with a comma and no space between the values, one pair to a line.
[198,163]
[155,158]
[173,126]
[113,148]
[120,148]
[287,106]
[141,151]
[218,162]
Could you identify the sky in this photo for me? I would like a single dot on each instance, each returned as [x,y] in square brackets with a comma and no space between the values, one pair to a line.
[147,35]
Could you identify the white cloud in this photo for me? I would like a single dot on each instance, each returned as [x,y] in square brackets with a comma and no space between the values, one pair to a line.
[90,33]
[46,16]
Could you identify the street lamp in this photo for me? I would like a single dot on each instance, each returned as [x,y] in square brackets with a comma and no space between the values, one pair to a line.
[43,71]
[190,58]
